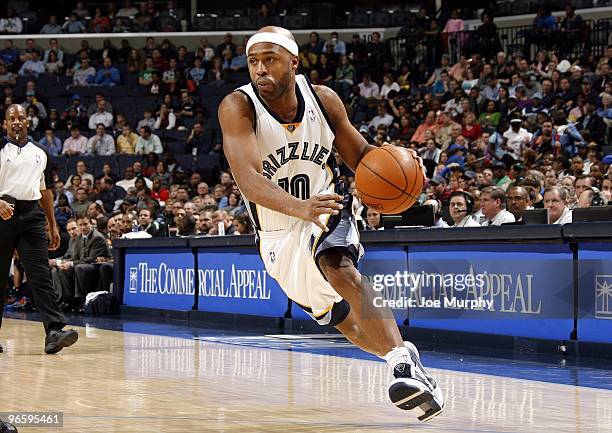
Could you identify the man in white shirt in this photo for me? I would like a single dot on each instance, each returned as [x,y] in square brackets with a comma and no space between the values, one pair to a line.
[461,206]
[516,138]
[382,118]
[555,200]
[368,88]
[101,143]
[33,67]
[518,201]
[148,142]
[101,116]
[493,203]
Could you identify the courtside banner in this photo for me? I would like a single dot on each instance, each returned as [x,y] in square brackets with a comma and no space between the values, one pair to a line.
[159,278]
[234,280]
[507,289]
[595,292]
[375,265]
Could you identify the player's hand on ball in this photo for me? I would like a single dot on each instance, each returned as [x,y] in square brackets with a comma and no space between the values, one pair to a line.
[320,204]
[419,159]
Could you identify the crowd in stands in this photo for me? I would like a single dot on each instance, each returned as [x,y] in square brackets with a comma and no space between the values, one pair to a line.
[499,132]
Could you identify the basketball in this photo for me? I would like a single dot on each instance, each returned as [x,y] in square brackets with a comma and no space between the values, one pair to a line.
[389,179]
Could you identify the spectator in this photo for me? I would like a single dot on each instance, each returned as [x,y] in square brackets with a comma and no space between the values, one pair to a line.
[382,118]
[52,27]
[9,55]
[216,72]
[73,25]
[239,61]
[429,125]
[54,65]
[81,203]
[148,142]
[51,143]
[516,139]
[75,144]
[108,75]
[166,119]
[110,194]
[101,143]
[100,23]
[147,120]
[101,116]
[200,139]
[53,47]
[126,142]
[34,67]
[197,74]
[368,88]
[81,171]
[84,75]
[555,200]
[31,101]
[146,223]
[11,23]
[127,11]
[493,203]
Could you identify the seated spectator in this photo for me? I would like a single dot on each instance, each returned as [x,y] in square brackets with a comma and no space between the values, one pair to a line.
[81,170]
[388,85]
[490,118]
[197,74]
[146,223]
[145,77]
[101,116]
[110,194]
[382,118]
[75,144]
[148,120]
[53,65]
[100,23]
[73,25]
[429,125]
[6,78]
[239,61]
[216,73]
[33,67]
[31,101]
[173,78]
[555,200]
[51,143]
[200,139]
[84,74]
[52,27]
[128,10]
[101,143]
[516,139]
[126,142]
[368,88]
[35,121]
[493,204]
[11,23]
[165,120]
[81,202]
[157,86]
[148,142]
[53,46]
[461,206]
[108,75]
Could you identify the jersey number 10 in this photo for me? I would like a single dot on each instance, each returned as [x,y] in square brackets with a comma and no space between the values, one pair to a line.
[298,186]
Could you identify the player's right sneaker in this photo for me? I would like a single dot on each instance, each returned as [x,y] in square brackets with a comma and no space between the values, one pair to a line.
[7,428]
[413,387]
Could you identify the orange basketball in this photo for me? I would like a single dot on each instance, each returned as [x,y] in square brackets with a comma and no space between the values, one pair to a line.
[389,179]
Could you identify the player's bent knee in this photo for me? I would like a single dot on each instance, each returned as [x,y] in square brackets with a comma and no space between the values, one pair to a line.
[336,315]
[336,266]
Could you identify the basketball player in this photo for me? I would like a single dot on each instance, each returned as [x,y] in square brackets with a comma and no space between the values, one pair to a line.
[279,133]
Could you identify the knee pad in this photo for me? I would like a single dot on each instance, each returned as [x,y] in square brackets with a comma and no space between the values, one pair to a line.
[336,315]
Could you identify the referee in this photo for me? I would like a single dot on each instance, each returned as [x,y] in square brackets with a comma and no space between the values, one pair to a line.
[25,175]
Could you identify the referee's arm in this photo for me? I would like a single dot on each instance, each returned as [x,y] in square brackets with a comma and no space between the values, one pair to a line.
[46,202]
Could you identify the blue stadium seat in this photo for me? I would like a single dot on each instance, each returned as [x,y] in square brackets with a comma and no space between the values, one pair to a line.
[138,91]
[131,80]
[185,161]
[58,103]
[59,163]
[175,135]
[175,147]
[120,90]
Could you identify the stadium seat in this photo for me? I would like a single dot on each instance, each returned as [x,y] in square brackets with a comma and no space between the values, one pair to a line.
[59,163]
[226,23]
[204,23]
[185,161]
[208,166]
[120,90]
[58,103]
[175,135]
[175,147]
[294,21]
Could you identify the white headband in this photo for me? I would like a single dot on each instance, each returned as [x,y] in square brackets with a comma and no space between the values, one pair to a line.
[274,38]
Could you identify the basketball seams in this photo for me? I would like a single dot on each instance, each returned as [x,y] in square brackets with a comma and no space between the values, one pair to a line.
[399,165]
[389,183]
[385,180]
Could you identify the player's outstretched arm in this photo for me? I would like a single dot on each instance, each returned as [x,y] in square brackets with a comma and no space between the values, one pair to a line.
[240,148]
[348,142]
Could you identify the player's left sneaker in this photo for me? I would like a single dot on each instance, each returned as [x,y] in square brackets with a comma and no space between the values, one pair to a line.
[415,388]
[57,339]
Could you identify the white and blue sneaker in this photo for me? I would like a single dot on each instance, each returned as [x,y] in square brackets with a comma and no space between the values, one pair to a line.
[414,388]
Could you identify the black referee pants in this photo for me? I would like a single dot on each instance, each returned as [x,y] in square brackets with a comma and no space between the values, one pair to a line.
[25,231]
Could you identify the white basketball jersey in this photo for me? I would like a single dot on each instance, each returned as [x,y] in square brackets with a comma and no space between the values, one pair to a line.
[295,154]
